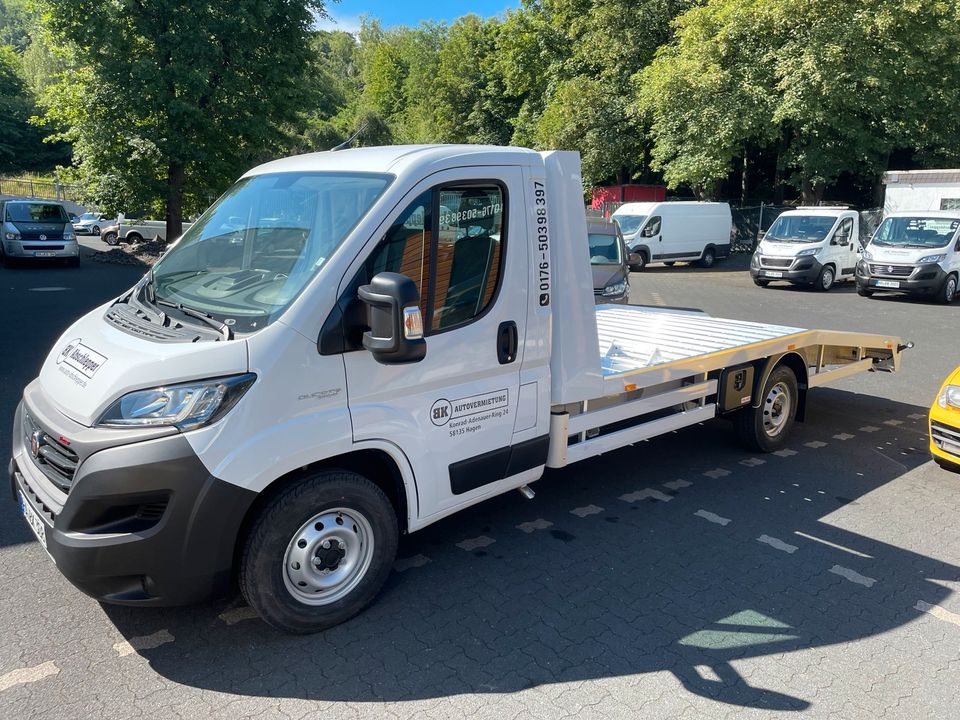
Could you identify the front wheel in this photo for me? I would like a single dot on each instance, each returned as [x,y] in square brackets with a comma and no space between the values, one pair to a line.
[766,428]
[96,229]
[708,259]
[639,266]
[826,279]
[760,283]
[319,551]
[110,238]
[949,290]
[863,292]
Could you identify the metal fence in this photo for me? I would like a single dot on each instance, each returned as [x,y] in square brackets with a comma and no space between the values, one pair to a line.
[40,189]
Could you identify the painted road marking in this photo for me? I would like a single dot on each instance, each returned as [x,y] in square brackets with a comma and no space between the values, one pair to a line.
[917,416]
[473,543]
[677,484]
[753,462]
[852,576]
[777,544]
[833,545]
[815,444]
[712,517]
[22,676]
[786,452]
[143,642]
[869,429]
[586,510]
[408,563]
[644,494]
[893,423]
[844,436]
[717,473]
[48,289]
[935,610]
[538,524]
[235,615]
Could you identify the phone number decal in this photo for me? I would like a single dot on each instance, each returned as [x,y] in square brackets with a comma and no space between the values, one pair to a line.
[543,242]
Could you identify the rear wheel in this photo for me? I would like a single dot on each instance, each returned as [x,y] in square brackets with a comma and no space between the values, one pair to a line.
[134,238]
[319,551]
[826,279]
[766,428]
[949,290]
[708,259]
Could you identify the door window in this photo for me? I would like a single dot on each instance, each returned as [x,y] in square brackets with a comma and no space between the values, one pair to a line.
[845,229]
[653,227]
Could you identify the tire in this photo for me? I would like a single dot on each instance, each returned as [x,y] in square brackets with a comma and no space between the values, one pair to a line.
[133,238]
[825,281]
[767,427]
[670,263]
[111,238]
[708,259]
[96,229]
[760,283]
[337,507]
[948,291]
[638,267]
[864,292]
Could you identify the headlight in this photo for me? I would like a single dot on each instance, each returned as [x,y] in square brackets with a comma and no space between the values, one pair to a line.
[932,258]
[186,406]
[950,396]
[12,236]
[865,255]
[755,260]
[808,252]
[616,289]
[67,235]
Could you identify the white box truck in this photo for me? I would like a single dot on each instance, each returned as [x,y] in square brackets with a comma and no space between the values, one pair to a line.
[279,402]
[669,232]
[815,246]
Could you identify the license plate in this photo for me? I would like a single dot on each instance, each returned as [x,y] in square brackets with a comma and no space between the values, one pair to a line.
[773,273]
[888,283]
[34,521]
[44,254]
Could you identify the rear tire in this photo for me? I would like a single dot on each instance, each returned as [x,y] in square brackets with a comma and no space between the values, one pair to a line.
[767,427]
[826,279]
[948,292]
[318,551]
[708,259]
[134,238]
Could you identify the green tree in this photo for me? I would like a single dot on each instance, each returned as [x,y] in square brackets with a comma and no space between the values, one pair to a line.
[186,96]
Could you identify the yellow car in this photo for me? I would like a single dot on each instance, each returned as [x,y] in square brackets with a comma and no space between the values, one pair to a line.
[945,424]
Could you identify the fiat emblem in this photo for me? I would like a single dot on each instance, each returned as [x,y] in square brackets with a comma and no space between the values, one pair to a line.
[890,268]
[36,440]
[43,237]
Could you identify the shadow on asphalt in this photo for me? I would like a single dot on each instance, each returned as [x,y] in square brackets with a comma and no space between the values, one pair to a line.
[638,587]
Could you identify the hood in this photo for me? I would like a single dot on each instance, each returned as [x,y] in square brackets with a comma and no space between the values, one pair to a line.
[604,275]
[784,249]
[93,363]
[35,229]
[902,256]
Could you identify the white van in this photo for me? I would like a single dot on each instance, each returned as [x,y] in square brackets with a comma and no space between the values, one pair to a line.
[917,253]
[814,246]
[671,231]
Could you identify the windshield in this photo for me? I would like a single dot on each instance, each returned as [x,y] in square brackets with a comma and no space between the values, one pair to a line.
[915,232]
[36,212]
[799,228]
[629,224]
[88,216]
[246,259]
[604,249]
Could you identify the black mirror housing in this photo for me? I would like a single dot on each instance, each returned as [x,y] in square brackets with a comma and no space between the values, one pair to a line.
[393,315]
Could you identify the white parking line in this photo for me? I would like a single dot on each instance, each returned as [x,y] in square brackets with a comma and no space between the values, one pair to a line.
[853,576]
[538,524]
[712,517]
[938,612]
[586,510]
[143,642]
[415,561]
[48,289]
[677,484]
[917,416]
[893,423]
[717,473]
[869,429]
[22,676]
[815,444]
[777,544]
[644,494]
[786,452]
[473,543]
[235,615]
[753,462]
[844,436]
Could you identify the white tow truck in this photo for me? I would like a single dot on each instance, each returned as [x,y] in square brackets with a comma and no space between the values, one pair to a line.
[389,336]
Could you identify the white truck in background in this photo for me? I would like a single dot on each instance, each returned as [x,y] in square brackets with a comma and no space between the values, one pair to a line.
[135,229]
[390,335]
[814,246]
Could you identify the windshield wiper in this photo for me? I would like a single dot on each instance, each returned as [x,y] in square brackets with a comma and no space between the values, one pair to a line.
[220,327]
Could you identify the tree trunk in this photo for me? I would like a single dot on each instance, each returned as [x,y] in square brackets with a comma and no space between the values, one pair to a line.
[779,172]
[806,192]
[878,185]
[623,175]
[175,180]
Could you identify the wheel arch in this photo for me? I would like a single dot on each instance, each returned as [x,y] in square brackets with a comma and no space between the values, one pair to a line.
[796,362]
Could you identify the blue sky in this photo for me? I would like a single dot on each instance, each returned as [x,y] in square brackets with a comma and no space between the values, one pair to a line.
[347,13]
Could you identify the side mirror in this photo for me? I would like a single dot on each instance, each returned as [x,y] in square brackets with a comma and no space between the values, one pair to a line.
[634,259]
[647,231]
[393,314]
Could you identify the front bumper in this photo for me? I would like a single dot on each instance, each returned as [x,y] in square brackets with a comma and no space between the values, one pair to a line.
[802,270]
[142,523]
[944,428]
[41,249]
[923,280]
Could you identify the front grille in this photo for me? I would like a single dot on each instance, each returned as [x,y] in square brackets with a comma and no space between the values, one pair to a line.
[891,270]
[47,237]
[43,247]
[54,459]
[945,437]
[776,262]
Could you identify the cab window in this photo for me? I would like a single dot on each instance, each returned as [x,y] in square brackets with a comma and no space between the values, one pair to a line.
[653,227]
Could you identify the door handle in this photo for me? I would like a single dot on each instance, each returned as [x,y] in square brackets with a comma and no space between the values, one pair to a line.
[507,342]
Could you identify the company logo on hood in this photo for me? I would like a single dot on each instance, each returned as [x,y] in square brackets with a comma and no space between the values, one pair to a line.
[84,359]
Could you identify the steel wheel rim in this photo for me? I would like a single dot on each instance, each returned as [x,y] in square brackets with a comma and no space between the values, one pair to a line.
[951,289]
[776,409]
[328,556]
[827,279]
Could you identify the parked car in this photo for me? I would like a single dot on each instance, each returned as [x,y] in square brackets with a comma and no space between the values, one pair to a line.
[134,229]
[111,234]
[609,260]
[91,223]
[945,424]
[37,229]
[671,231]
[815,246]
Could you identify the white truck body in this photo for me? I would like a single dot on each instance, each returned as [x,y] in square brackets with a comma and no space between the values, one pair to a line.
[676,231]
[134,230]
[815,246]
[142,498]
[923,190]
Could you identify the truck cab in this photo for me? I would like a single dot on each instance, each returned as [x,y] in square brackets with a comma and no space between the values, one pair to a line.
[812,246]
[914,253]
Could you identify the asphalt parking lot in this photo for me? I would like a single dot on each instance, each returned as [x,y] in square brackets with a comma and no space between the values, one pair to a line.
[679,578]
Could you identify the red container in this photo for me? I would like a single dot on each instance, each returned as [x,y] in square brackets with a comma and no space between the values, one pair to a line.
[627,193]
